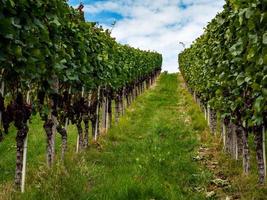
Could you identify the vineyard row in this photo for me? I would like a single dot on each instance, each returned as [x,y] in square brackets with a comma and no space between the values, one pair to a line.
[55,64]
[226,71]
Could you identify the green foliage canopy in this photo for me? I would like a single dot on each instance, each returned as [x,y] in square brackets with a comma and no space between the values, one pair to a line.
[227,65]
[41,39]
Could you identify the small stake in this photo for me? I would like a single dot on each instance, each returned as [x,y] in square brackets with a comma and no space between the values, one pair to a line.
[77,143]
[66,123]
[208,117]
[107,117]
[82,91]
[224,136]
[78,137]
[97,117]
[25,148]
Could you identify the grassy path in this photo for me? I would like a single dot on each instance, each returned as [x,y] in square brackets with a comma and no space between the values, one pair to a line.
[148,156]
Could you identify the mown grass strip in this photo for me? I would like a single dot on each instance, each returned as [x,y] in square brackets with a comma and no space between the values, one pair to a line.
[148,156]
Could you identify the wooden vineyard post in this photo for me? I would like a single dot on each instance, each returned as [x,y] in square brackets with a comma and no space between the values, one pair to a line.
[235,145]
[25,148]
[246,165]
[97,114]
[109,113]
[208,114]
[104,110]
[77,143]
[224,135]
[66,124]
[82,92]
[54,131]
[106,113]
[78,136]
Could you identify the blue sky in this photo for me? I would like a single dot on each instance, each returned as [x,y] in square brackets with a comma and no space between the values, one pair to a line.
[154,24]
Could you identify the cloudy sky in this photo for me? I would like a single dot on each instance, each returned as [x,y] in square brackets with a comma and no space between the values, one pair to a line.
[158,25]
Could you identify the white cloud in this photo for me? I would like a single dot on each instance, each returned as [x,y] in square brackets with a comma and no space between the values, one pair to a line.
[160,24]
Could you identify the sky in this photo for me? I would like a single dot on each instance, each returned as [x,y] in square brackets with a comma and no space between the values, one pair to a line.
[159,25]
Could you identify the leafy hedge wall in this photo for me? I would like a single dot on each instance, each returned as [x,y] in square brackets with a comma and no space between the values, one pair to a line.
[227,65]
[46,38]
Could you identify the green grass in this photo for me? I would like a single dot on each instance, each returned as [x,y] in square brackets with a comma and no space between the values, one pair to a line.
[147,156]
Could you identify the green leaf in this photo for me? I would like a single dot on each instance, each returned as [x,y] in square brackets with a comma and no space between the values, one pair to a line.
[237,48]
[251,54]
[253,38]
[264,92]
[249,13]
[247,79]
[258,104]
[55,21]
[264,38]
[6,28]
